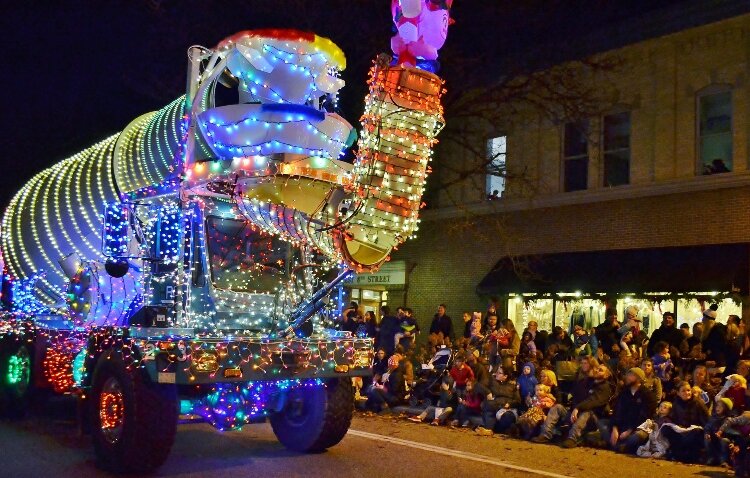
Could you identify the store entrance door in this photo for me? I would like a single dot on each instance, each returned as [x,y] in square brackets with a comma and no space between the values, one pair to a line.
[370,299]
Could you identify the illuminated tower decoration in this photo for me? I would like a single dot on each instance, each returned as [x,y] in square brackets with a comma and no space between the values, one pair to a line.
[402,118]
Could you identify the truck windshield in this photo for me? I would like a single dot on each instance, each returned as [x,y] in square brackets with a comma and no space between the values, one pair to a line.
[243,258]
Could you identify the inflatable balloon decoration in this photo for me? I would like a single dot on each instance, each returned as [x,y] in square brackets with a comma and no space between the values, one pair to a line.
[421,30]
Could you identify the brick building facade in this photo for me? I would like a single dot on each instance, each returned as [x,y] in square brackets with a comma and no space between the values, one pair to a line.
[685,97]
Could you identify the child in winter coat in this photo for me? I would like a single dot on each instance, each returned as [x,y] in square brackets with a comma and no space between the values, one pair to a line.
[539,405]
[656,446]
[461,373]
[581,341]
[652,382]
[717,448]
[734,389]
[527,352]
[476,327]
[527,383]
[663,365]
[468,406]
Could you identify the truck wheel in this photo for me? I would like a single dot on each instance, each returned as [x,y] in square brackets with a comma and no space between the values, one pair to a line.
[133,421]
[15,378]
[315,418]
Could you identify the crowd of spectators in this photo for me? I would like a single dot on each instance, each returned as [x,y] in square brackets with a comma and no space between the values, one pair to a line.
[680,394]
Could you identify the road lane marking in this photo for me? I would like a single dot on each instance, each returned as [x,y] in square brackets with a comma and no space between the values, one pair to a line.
[452,453]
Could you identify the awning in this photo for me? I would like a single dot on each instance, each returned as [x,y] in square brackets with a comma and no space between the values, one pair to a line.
[720,268]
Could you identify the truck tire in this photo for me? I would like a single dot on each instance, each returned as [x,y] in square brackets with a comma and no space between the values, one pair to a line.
[315,418]
[16,381]
[133,421]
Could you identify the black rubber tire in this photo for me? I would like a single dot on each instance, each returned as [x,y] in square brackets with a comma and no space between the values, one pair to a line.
[149,424]
[14,401]
[327,417]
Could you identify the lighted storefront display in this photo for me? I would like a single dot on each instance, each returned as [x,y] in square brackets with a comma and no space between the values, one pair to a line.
[568,310]
[568,289]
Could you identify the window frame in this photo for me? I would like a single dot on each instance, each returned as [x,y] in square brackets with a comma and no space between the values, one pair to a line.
[603,151]
[711,91]
[490,161]
[585,125]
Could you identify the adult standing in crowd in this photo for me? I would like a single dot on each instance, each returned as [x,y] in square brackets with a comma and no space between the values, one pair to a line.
[714,338]
[368,327]
[606,332]
[442,325]
[389,327]
[350,321]
[508,354]
[695,338]
[669,333]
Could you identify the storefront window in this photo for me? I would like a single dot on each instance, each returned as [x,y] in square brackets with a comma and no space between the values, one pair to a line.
[521,312]
[590,312]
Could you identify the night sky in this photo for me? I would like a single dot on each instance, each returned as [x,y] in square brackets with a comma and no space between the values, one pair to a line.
[77,72]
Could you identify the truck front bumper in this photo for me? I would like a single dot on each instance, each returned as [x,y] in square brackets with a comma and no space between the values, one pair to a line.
[196,361]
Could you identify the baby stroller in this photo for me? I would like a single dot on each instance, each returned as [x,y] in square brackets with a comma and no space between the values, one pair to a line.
[426,390]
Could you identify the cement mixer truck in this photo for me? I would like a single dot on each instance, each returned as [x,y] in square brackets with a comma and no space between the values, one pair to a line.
[182,269]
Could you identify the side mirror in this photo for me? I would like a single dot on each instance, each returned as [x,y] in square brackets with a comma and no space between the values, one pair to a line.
[167,236]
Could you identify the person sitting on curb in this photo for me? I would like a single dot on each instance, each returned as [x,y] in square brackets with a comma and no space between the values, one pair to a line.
[591,396]
[635,404]
[470,405]
[391,392]
[502,396]
[461,373]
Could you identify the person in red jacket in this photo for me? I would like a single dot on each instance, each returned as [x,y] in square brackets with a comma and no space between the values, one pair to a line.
[468,406]
[461,373]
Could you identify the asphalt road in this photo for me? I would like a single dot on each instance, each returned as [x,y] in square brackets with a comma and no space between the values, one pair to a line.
[48,445]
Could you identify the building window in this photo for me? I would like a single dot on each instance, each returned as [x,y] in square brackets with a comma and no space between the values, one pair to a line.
[715,132]
[616,147]
[575,157]
[495,185]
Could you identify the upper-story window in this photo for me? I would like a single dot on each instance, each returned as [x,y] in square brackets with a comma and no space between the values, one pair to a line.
[715,132]
[616,149]
[496,149]
[575,157]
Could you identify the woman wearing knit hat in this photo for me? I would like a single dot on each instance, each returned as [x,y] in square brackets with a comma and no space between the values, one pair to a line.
[635,404]
[717,448]
[393,389]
